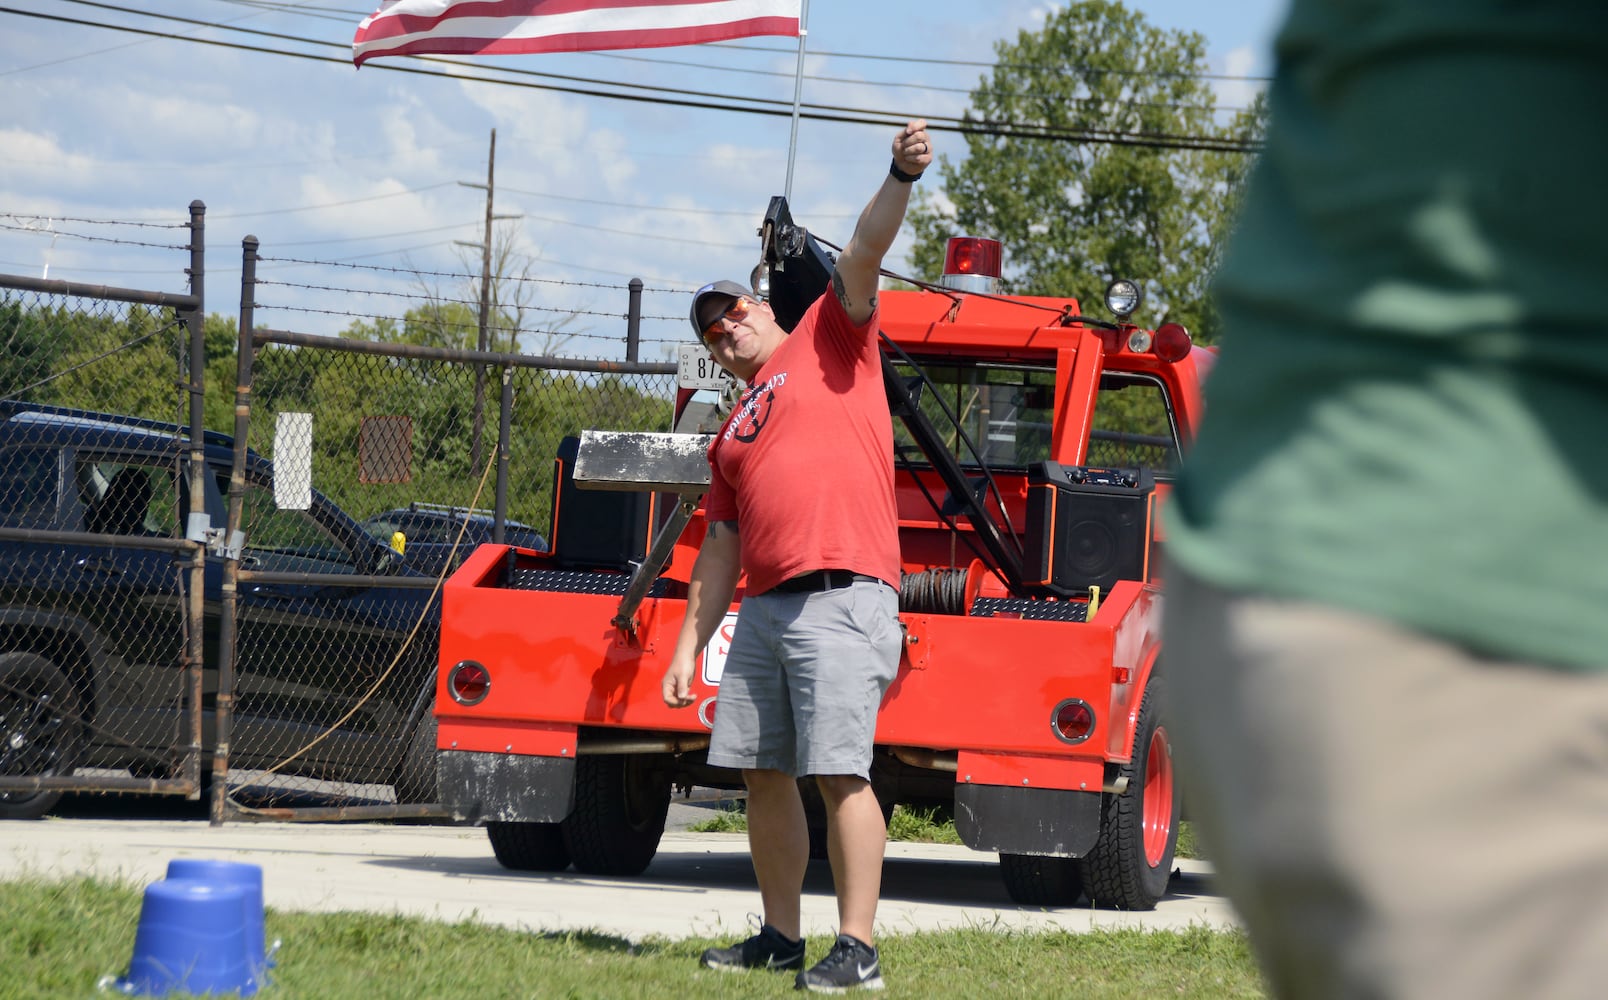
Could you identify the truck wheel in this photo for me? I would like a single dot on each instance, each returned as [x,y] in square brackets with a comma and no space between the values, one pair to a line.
[41,730]
[528,847]
[1033,880]
[620,808]
[1130,864]
[415,779]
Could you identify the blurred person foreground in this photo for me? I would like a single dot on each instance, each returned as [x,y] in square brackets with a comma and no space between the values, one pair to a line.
[1386,587]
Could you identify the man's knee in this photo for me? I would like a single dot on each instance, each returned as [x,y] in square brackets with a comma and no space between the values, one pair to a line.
[838,788]
[760,781]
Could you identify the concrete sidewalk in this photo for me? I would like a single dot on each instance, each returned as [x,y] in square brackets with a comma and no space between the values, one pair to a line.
[699,884]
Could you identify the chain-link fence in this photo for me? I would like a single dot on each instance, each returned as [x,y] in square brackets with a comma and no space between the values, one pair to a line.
[174,607]
[101,592]
[390,463]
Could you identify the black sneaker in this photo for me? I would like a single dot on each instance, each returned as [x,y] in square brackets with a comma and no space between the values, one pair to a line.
[850,965]
[766,950]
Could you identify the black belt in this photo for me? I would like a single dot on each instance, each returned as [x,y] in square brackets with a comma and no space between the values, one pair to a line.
[822,579]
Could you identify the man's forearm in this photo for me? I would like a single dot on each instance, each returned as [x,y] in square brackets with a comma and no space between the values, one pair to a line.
[879,222]
[709,593]
[859,266]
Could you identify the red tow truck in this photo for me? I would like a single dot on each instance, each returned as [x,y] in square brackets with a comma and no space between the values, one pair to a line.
[1033,447]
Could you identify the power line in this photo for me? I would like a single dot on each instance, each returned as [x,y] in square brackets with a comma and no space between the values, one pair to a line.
[757,106]
[334,14]
[737,213]
[334,204]
[990,65]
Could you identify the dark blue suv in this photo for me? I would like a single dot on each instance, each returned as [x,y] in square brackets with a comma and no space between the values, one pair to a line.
[332,681]
[429,532]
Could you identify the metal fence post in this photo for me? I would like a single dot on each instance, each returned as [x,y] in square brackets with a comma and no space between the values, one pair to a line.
[244,358]
[195,610]
[633,320]
[505,423]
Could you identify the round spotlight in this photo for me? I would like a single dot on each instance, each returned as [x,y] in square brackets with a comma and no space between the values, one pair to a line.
[468,683]
[1122,297]
[1139,341]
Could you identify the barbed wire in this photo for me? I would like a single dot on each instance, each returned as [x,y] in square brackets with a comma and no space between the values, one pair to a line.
[432,298]
[97,222]
[517,331]
[412,271]
[93,239]
[370,315]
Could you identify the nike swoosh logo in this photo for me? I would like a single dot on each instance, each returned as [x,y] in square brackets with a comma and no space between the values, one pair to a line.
[866,970]
[771,963]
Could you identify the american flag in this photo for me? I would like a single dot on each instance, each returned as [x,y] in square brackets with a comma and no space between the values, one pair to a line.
[511,27]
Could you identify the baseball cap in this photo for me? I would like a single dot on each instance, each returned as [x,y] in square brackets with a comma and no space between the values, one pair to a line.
[710,301]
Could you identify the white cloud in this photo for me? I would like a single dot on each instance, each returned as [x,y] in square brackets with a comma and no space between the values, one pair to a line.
[1243,61]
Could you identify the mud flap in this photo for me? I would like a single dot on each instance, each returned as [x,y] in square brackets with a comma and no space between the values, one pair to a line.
[1027,820]
[503,787]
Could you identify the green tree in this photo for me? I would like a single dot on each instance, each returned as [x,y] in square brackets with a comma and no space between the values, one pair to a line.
[1075,212]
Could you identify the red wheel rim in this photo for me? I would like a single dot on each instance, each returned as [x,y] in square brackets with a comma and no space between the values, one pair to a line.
[1158,817]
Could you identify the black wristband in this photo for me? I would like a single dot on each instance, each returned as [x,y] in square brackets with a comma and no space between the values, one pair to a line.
[900,175]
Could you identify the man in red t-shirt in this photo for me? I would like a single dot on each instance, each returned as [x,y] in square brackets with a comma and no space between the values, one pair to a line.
[801,500]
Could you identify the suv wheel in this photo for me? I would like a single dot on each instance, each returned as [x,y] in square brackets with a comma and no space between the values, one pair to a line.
[41,730]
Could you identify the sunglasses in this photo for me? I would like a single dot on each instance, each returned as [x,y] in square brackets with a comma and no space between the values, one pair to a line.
[734,312]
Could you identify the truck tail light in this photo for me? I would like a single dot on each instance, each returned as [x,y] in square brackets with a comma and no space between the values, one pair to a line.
[973,264]
[468,682]
[1172,342]
[1072,721]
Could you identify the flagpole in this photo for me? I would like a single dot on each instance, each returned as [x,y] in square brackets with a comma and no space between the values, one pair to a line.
[798,90]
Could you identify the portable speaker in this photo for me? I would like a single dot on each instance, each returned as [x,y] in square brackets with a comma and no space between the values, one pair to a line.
[596,528]
[1086,527]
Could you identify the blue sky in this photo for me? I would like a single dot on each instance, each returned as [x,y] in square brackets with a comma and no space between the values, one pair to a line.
[326,163]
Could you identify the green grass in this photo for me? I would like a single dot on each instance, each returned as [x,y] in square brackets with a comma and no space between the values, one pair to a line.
[59,938]
[927,826]
[731,817]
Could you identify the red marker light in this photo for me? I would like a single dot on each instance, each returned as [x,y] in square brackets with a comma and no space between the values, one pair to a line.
[1072,721]
[1172,342]
[468,683]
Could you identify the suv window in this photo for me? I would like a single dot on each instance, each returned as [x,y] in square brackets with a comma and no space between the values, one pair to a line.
[123,497]
[28,487]
[288,541]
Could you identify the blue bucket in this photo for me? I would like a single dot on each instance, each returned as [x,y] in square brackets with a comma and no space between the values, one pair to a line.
[192,938]
[238,873]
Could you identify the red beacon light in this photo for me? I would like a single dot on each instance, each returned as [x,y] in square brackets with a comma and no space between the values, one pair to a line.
[973,264]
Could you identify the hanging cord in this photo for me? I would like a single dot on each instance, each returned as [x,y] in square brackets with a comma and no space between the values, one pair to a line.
[406,644]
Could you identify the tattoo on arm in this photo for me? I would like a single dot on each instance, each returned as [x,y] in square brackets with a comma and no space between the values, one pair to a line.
[843,293]
[716,527]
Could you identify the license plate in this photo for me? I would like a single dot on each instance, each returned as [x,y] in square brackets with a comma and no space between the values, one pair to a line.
[695,369]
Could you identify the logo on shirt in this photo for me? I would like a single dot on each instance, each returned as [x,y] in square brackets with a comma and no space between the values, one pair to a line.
[754,409]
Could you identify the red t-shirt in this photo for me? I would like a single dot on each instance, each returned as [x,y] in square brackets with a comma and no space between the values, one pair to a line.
[804,465]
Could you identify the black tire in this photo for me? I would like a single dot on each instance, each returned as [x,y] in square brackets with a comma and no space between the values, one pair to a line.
[1033,880]
[416,781]
[620,808]
[528,847]
[1131,864]
[41,730]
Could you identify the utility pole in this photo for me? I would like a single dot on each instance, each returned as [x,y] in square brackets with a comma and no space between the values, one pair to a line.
[483,340]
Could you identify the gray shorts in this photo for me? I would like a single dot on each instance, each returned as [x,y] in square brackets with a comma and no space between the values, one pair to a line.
[804,679]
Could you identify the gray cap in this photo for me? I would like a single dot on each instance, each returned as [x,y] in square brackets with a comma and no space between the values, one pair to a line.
[709,302]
